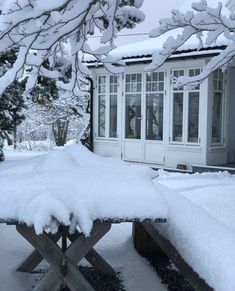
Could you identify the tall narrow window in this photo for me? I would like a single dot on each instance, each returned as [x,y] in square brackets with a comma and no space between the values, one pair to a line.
[133,86]
[154,106]
[101,105]
[113,85]
[217,109]
[178,117]
[178,106]
[193,110]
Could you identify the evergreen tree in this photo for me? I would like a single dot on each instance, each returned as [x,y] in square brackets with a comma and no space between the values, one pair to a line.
[11,103]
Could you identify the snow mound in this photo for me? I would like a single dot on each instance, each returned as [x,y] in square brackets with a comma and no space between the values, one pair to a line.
[201,223]
[74,185]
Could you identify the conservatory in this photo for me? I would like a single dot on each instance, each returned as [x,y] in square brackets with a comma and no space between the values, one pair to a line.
[143,117]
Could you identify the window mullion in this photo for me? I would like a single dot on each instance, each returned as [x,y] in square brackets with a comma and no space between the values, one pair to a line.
[107,109]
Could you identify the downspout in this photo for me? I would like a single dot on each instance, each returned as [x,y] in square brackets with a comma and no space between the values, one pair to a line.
[91,112]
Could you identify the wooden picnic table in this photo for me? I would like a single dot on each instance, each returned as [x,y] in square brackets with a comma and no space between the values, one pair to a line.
[65,257]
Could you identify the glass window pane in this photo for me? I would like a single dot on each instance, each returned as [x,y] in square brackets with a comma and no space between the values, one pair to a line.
[128,88]
[193,117]
[176,75]
[193,73]
[217,117]
[133,83]
[101,115]
[133,116]
[161,86]
[134,78]
[113,116]
[148,87]
[139,85]
[177,117]
[154,116]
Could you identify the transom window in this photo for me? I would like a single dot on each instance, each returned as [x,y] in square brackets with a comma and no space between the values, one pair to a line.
[217,107]
[154,105]
[185,120]
[107,106]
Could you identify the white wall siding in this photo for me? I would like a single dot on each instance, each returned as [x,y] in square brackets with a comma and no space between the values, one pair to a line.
[107,149]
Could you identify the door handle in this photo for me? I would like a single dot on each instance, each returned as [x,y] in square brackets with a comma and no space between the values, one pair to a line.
[139,118]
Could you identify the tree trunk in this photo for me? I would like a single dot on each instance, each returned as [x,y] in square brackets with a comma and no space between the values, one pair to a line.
[60,131]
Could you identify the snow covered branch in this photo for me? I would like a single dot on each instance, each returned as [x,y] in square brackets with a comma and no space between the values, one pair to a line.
[206,24]
[42,30]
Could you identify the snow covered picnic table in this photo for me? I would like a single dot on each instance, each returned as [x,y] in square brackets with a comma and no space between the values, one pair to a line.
[74,195]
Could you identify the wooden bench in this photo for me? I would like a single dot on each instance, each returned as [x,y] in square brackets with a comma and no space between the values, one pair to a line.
[150,243]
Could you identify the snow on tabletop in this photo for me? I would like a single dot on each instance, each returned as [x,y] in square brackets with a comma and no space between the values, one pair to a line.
[201,223]
[76,181]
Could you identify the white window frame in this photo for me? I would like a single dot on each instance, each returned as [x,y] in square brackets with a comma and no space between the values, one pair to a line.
[185,92]
[107,108]
[163,92]
[223,117]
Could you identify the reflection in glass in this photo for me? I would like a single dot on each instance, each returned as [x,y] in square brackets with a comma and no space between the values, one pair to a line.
[178,117]
[101,115]
[133,116]
[154,116]
[193,116]
[217,117]
[113,116]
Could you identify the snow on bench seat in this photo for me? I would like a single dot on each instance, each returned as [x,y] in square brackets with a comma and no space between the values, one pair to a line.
[74,181]
[201,224]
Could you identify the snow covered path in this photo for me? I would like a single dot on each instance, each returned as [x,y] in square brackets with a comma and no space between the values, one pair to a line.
[116,247]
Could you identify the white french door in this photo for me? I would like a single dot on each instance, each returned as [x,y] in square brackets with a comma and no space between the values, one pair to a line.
[143,118]
[133,108]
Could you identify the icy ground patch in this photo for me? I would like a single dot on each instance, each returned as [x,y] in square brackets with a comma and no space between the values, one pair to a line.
[201,223]
[76,181]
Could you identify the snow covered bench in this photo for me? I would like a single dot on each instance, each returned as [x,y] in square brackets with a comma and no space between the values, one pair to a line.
[74,195]
[199,235]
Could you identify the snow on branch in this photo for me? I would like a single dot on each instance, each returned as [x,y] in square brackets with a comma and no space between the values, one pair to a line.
[207,24]
[41,30]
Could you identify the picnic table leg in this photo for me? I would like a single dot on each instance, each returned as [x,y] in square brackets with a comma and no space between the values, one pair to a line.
[72,277]
[66,273]
[34,259]
[94,258]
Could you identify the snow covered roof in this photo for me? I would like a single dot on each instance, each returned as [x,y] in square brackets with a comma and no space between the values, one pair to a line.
[144,49]
[141,50]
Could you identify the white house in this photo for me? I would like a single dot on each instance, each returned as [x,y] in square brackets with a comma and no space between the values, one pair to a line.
[143,117]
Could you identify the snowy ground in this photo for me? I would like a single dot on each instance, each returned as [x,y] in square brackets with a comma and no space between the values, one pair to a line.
[116,247]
